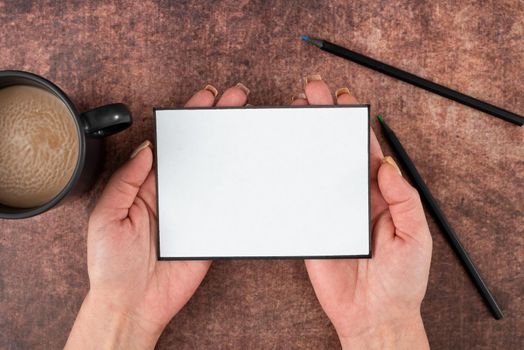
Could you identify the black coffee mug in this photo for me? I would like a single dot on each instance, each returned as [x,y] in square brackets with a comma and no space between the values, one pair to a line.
[92,126]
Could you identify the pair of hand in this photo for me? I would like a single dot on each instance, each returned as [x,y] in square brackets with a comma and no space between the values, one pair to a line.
[371,302]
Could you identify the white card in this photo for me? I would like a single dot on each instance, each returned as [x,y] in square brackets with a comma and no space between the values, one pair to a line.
[263,182]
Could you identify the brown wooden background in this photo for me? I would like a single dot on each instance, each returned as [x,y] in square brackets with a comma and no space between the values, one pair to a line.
[157,53]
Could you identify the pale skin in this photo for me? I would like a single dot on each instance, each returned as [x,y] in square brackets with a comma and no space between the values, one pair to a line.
[372,303]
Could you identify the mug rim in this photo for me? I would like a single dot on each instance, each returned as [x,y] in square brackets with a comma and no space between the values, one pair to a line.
[22,213]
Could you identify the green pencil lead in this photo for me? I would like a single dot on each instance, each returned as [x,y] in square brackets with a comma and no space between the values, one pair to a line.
[379,117]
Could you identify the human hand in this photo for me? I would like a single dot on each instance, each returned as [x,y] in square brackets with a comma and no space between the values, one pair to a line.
[133,296]
[375,303]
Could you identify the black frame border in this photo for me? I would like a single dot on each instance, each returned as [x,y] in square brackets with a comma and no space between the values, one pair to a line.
[292,257]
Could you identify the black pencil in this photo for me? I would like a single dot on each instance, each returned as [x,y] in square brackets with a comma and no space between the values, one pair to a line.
[441,219]
[415,80]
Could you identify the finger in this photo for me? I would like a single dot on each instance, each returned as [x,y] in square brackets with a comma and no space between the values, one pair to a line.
[404,203]
[299,100]
[148,192]
[332,280]
[378,205]
[317,91]
[344,97]
[383,231]
[234,96]
[124,185]
[203,98]
[375,154]
[321,271]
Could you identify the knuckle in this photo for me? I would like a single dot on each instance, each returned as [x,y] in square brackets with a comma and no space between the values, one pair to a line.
[413,194]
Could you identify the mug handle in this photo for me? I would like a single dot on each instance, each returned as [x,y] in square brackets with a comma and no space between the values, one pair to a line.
[107,120]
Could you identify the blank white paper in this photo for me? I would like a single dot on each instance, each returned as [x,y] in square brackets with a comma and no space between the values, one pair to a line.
[263,182]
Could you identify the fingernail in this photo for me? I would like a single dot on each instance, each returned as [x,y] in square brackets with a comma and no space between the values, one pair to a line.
[142,146]
[300,96]
[342,91]
[391,161]
[243,88]
[313,77]
[211,89]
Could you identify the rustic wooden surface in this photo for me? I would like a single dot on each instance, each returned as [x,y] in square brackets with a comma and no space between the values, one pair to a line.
[157,53]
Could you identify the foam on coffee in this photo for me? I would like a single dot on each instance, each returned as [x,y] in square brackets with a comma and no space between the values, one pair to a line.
[39,146]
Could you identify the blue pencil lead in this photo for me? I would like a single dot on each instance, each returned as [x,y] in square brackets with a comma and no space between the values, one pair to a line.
[311,40]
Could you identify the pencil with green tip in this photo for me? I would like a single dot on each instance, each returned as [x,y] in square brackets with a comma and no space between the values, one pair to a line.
[440,218]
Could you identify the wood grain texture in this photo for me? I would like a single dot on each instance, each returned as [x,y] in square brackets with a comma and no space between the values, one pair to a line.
[157,53]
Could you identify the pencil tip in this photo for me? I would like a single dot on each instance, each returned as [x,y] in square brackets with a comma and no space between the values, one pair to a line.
[317,42]
[380,119]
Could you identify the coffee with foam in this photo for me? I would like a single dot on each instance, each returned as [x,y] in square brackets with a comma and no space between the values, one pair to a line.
[39,146]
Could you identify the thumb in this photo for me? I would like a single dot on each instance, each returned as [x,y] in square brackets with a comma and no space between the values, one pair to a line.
[123,187]
[404,202]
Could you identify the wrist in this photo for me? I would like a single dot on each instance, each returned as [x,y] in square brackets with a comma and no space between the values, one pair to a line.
[101,325]
[405,332]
